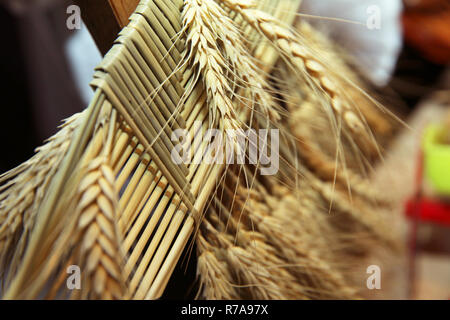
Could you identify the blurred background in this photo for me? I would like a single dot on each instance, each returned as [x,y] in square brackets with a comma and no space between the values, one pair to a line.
[45,69]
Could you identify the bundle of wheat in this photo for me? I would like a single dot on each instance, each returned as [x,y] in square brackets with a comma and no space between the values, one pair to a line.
[109,194]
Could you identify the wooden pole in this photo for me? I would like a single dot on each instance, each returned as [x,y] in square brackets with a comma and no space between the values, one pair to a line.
[123,9]
[105,19]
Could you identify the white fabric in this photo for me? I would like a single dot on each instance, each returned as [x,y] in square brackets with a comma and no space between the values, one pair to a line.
[376,51]
[83,56]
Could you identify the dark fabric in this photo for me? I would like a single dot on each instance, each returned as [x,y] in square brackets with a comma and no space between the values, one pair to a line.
[42,91]
[17,132]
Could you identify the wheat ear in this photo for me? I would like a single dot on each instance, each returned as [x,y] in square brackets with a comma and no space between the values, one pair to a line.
[241,67]
[216,281]
[260,272]
[301,57]
[99,252]
[203,52]
[22,195]
[257,271]
[100,255]
[359,211]
[327,170]
[311,270]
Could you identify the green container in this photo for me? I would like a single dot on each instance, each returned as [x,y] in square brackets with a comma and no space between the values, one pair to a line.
[437,159]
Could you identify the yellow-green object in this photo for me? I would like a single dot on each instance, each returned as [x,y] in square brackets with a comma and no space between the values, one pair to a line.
[437,159]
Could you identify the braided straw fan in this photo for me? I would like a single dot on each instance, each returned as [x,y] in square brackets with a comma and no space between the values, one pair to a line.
[104,194]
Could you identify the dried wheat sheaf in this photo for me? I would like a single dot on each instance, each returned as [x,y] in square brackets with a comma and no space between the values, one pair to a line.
[106,195]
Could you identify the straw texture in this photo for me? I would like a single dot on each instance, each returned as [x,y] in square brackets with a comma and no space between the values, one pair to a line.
[108,194]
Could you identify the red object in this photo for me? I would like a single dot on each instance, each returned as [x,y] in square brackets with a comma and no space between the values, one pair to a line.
[429,210]
[420,208]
